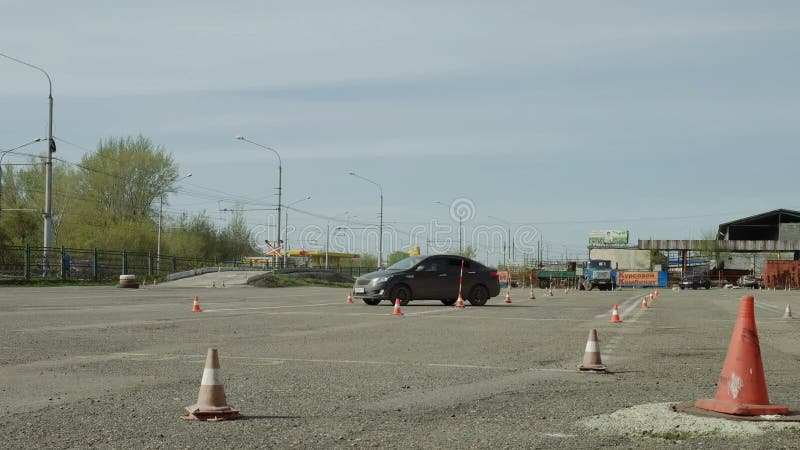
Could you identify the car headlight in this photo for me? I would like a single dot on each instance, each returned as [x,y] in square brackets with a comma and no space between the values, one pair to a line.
[379,280]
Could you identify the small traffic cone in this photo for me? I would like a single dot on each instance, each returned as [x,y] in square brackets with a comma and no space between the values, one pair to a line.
[508,297]
[397,311]
[211,403]
[591,358]
[788,313]
[644,302]
[213,283]
[549,291]
[742,387]
[615,315]
[223,283]
[196,305]
[349,298]
[460,301]
[155,282]
[532,296]
[144,282]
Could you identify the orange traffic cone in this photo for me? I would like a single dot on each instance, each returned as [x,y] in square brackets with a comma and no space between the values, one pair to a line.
[508,297]
[742,387]
[644,303]
[196,305]
[549,291]
[615,315]
[213,283]
[397,311]
[591,358]
[223,283]
[788,313]
[532,296]
[155,282]
[211,402]
[349,298]
[460,301]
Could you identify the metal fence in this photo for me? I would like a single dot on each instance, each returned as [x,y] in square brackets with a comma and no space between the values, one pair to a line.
[28,262]
[62,263]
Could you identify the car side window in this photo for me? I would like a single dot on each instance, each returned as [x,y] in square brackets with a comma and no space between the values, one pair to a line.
[433,265]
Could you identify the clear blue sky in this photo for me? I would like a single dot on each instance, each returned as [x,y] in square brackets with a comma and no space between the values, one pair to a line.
[663,118]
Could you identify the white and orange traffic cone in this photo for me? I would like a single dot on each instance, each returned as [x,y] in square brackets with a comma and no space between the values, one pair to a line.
[788,313]
[508,297]
[397,311]
[349,298]
[211,402]
[532,296]
[644,302]
[155,281]
[213,283]
[223,283]
[615,315]
[460,301]
[550,291]
[591,357]
[196,305]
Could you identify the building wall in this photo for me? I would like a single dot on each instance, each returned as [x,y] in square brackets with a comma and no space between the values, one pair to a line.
[623,258]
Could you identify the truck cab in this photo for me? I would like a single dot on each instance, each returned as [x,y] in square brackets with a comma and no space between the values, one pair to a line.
[598,274]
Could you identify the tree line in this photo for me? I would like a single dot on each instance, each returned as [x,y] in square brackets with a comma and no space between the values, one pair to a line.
[111,200]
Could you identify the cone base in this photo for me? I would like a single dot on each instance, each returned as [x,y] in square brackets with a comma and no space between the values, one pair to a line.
[597,368]
[210,415]
[615,321]
[740,409]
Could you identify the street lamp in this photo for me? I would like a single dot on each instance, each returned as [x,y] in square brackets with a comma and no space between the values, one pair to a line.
[280,171]
[160,213]
[508,248]
[286,227]
[459,226]
[380,216]
[3,155]
[51,148]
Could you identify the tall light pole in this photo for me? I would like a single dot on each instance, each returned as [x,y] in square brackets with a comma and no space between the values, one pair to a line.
[3,155]
[160,214]
[380,216]
[460,250]
[280,174]
[51,148]
[286,228]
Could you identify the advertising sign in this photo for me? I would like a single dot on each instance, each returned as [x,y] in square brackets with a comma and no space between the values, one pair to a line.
[608,237]
[503,277]
[658,279]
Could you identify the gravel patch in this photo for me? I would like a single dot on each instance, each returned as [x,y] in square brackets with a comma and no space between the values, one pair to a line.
[661,421]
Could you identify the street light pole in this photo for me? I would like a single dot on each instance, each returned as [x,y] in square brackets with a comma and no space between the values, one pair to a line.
[160,214]
[280,184]
[51,148]
[508,247]
[460,220]
[380,216]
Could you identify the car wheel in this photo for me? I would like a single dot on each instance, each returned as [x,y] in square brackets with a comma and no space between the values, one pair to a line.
[544,284]
[372,301]
[478,296]
[708,286]
[448,302]
[403,293]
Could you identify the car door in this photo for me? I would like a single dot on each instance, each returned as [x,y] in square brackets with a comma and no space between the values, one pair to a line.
[428,278]
[449,284]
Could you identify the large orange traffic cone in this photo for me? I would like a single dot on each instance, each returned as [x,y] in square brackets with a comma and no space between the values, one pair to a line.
[460,301]
[349,298]
[742,387]
[211,402]
[591,358]
[644,303]
[508,297]
[615,315]
[397,311]
[787,314]
[196,305]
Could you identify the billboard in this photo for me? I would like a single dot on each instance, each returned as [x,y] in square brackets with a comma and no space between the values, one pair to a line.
[642,279]
[608,237]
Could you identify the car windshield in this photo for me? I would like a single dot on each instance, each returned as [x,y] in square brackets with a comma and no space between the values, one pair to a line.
[599,264]
[407,263]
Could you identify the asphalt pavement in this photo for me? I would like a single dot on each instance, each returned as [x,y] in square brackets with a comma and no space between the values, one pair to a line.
[104,367]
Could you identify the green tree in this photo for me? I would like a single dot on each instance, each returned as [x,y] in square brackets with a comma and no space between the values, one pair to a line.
[369,261]
[396,256]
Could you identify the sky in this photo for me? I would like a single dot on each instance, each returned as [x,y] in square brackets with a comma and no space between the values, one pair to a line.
[531,121]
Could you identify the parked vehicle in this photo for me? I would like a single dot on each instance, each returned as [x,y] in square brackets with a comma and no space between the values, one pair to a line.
[747,281]
[695,281]
[429,278]
[597,274]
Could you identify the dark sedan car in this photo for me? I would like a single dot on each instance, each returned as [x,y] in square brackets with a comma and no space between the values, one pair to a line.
[695,281]
[429,278]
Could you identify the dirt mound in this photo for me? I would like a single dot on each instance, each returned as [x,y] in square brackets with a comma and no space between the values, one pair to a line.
[301,277]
